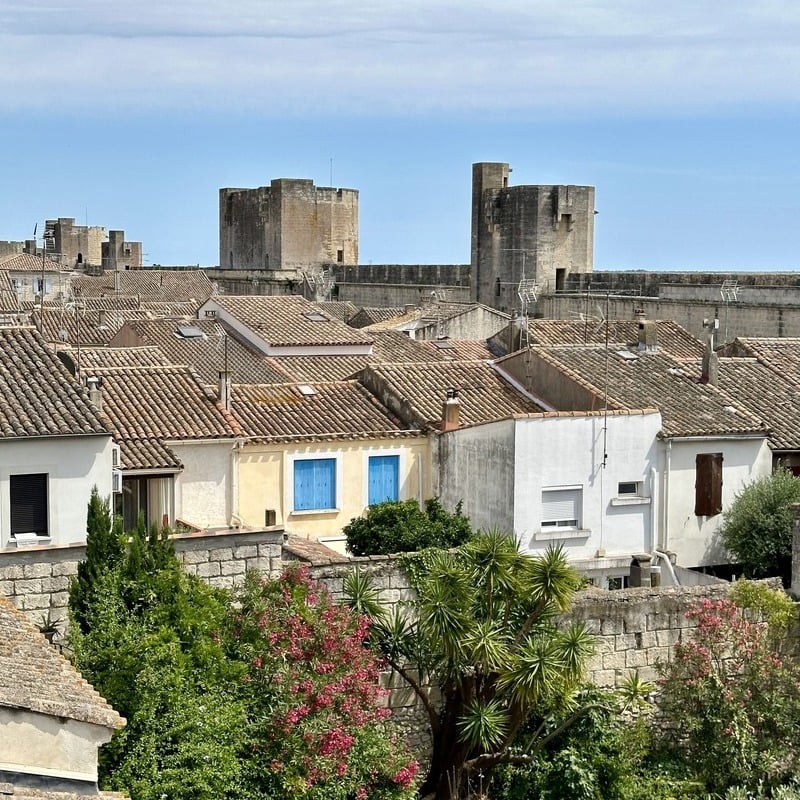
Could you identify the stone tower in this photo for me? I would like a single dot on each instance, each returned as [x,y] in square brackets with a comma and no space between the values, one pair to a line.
[543,233]
[287,226]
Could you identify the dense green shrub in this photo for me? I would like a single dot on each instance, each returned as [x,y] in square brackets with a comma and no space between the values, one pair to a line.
[757,529]
[400,527]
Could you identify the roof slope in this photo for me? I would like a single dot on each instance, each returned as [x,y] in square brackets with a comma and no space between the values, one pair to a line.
[25,262]
[421,389]
[205,345]
[652,379]
[148,284]
[34,676]
[38,397]
[342,409]
[286,320]
[670,336]
[152,405]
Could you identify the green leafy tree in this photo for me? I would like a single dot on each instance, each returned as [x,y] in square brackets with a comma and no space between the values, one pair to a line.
[103,552]
[757,529]
[731,701]
[482,632]
[400,527]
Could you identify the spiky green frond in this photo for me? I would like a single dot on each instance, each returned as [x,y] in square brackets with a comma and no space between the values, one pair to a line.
[494,560]
[362,595]
[537,670]
[487,646]
[483,724]
[575,645]
[552,578]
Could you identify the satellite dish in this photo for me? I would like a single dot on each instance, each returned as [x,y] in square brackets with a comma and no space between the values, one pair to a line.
[63,335]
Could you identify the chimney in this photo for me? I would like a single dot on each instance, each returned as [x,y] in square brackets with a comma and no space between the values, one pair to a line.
[710,359]
[451,411]
[95,386]
[409,308]
[224,389]
[648,335]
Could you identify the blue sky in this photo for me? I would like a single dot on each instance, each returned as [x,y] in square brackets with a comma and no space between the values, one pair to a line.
[684,115]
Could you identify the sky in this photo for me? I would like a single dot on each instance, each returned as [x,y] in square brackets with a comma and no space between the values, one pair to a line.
[684,116]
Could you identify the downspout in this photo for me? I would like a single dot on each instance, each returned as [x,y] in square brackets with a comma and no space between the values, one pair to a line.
[654,508]
[666,559]
[235,519]
[664,544]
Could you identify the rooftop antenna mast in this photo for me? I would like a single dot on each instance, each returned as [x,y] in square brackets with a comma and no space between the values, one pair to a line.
[729,292]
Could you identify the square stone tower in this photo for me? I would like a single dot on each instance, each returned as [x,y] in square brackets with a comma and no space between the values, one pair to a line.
[544,233]
[286,226]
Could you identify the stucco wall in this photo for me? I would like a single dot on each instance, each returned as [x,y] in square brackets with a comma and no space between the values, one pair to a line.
[202,489]
[40,744]
[696,539]
[266,481]
[74,464]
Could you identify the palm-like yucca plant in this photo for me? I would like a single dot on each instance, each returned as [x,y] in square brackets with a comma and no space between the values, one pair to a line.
[482,630]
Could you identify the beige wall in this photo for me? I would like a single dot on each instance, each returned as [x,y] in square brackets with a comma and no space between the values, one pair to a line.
[266,481]
[45,745]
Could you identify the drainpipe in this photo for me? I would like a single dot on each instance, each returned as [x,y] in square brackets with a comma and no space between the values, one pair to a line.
[666,559]
[235,519]
[664,544]
[654,508]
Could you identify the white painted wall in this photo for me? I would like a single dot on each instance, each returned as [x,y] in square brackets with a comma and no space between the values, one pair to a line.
[567,451]
[74,464]
[696,539]
[203,489]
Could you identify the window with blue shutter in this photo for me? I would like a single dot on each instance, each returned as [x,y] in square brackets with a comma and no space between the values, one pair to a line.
[384,479]
[314,484]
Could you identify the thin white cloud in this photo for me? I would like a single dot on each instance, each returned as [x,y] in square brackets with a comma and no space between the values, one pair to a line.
[334,56]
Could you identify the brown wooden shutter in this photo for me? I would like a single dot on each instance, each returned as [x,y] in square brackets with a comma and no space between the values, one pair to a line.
[708,484]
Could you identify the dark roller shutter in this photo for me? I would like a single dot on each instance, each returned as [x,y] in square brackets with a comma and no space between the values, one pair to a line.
[29,504]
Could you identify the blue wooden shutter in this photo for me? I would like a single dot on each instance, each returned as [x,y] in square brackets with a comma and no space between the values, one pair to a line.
[314,484]
[384,479]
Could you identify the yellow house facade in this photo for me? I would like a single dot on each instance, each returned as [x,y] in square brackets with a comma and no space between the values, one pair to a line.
[272,490]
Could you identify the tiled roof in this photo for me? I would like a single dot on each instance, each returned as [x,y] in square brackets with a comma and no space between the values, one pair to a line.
[326,410]
[392,347]
[38,397]
[427,314]
[59,325]
[24,262]
[93,358]
[208,353]
[421,389]
[285,320]
[148,284]
[632,379]
[767,394]
[369,316]
[34,676]
[459,349]
[149,406]
[782,354]
[341,309]
[299,549]
[8,297]
[670,337]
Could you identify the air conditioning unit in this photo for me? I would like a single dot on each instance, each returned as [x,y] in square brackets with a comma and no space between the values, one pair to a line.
[116,481]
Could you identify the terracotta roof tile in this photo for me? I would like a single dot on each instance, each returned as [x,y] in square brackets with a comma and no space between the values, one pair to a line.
[94,358]
[340,409]
[206,346]
[38,397]
[149,406]
[34,676]
[369,316]
[147,284]
[636,379]
[671,337]
[8,297]
[25,262]
[341,309]
[286,320]
[421,388]
[460,349]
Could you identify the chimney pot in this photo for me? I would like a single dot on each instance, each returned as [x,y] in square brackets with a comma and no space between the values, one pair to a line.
[451,411]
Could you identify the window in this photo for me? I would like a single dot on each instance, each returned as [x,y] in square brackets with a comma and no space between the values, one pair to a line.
[314,484]
[629,488]
[708,484]
[28,496]
[561,508]
[384,479]
[340,256]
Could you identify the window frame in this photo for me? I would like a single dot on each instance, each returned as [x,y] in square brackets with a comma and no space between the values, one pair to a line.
[555,523]
[368,474]
[37,515]
[336,458]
